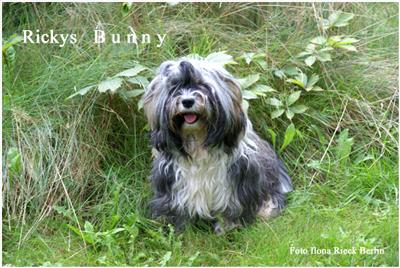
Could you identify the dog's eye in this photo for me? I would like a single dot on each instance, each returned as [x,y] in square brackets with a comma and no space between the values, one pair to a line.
[204,88]
[174,91]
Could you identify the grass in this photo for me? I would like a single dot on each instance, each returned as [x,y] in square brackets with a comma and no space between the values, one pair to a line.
[84,164]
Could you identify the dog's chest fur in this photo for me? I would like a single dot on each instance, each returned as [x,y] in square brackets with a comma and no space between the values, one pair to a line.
[201,186]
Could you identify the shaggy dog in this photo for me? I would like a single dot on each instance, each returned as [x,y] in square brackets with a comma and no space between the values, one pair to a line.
[209,163]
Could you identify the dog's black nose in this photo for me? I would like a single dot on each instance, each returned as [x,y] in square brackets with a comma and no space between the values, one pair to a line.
[188,102]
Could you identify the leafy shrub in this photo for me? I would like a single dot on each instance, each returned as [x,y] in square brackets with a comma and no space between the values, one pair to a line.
[297,77]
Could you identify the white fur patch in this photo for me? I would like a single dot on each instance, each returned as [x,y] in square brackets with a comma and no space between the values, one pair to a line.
[202,187]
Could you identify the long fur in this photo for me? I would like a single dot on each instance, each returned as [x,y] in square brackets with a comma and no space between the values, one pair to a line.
[217,166]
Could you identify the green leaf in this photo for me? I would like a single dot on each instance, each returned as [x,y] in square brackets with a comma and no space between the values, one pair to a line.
[289,135]
[348,41]
[310,48]
[289,114]
[245,106]
[139,80]
[298,108]
[339,19]
[117,230]
[13,40]
[111,84]
[194,56]
[140,104]
[332,18]
[334,39]
[131,93]
[303,54]
[131,72]
[302,77]
[343,19]
[325,24]
[279,73]
[275,102]
[324,56]
[313,79]
[348,47]
[314,164]
[291,70]
[310,60]
[248,80]
[277,113]
[248,95]
[63,211]
[325,49]
[262,89]
[273,136]
[343,147]
[263,64]
[9,56]
[81,92]
[293,97]
[220,58]
[88,237]
[14,161]
[88,227]
[133,231]
[296,82]
[75,230]
[362,158]
[300,80]
[259,56]
[316,89]
[248,57]
[320,40]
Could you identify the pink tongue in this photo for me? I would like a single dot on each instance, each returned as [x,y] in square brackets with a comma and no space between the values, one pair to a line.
[190,118]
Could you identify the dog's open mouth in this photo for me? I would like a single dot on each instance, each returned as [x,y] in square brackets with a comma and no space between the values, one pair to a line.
[187,118]
[190,118]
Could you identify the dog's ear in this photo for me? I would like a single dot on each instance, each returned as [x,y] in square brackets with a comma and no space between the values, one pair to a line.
[162,137]
[234,87]
[230,121]
[155,92]
[149,98]
[164,140]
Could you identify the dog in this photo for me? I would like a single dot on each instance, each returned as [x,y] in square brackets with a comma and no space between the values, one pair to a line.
[208,161]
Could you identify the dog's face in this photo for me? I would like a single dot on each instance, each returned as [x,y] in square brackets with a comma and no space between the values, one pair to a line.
[190,104]
[191,97]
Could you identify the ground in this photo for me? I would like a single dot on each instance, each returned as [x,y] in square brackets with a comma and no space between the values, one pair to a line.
[82,163]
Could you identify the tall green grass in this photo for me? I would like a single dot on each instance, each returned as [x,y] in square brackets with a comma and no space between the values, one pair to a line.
[84,162]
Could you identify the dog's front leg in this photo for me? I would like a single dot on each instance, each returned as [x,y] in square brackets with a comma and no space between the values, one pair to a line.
[225,225]
[179,222]
[162,208]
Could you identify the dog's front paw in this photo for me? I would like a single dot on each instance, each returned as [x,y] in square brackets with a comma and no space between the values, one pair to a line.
[226,226]
[268,210]
[218,229]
